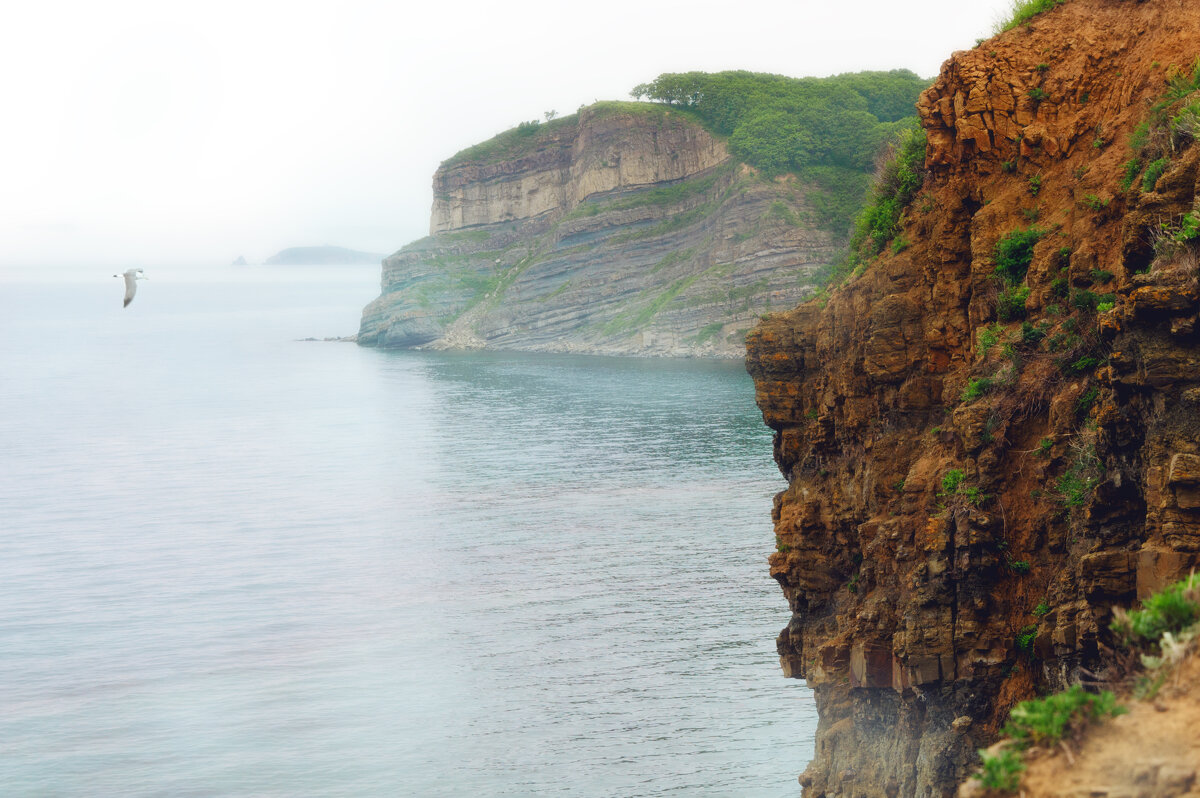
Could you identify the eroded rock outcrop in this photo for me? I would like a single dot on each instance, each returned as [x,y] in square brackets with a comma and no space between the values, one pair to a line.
[625,230]
[968,496]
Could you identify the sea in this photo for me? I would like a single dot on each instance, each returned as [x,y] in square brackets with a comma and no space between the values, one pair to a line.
[234,562]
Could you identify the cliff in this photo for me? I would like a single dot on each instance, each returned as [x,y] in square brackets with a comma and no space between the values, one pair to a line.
[625,229]
[992,437]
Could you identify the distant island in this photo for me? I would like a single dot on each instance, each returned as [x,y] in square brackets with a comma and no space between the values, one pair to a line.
[321,256]
[240,261]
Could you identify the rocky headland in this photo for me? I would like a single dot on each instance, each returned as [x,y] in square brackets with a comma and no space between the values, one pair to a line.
[625,229]
[991,435]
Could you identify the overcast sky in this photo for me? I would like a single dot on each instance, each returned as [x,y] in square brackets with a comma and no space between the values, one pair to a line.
[146,133]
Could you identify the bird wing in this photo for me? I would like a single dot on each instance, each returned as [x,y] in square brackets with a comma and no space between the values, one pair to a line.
[130,286]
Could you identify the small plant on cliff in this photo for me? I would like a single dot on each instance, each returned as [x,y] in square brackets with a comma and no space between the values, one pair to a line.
[989,336]
[1189,228]
[1035,185]
[1173,609]
[1024,10]
[1133,168]
[1001,771]
[1010,302]
[1014,253]
[1032,335]
[1153,172]
[1046,721]
[951,480]
[897,182]
[1025,638]
[976,388]
[1075,486]
[1037,94]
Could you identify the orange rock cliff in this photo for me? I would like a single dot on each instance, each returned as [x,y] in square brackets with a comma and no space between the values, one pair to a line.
[972,488]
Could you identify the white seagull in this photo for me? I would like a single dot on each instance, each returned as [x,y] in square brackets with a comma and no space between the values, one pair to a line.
[131,277]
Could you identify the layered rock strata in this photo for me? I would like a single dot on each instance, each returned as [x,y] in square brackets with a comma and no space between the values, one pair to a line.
[968,497]
[623,231]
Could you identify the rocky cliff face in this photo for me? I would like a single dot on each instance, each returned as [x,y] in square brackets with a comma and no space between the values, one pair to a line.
[977,471]
[625,230]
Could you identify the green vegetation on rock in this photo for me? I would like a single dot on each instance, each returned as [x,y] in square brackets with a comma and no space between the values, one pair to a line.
[1173,609]
[826,130]
[1024,10]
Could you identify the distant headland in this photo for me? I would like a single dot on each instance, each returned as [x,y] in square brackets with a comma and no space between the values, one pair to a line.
[321,256]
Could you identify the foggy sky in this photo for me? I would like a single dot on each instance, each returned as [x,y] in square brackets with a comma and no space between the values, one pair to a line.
[144,133]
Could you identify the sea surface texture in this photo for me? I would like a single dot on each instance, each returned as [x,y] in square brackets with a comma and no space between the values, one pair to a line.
[233,563]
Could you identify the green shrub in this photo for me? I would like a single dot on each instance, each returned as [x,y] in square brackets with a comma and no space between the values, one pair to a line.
[951,481]
[1189,228]
[1094,202]
[1101,275]
[1014,253]
[1084,299]
[1025,638]
[988,337]
[1075,486]
[1084,403]
[1047,720]
[1001,772]
[781,124]
[1105,307]
[1154,170]
[976,388]
[1042,609]
[1133,167]
[1024,10]
[1037,94]
[1010,303]
[1173,609]
[899,181]
[1019,566]
[1035,185]
[1031,336]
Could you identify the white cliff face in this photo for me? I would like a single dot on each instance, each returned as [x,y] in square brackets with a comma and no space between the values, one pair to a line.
[604,151]
[624,232]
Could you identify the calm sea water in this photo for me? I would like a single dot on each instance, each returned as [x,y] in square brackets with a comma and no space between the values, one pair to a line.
[232,563]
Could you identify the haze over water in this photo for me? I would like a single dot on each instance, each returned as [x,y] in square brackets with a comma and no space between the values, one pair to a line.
[237,564]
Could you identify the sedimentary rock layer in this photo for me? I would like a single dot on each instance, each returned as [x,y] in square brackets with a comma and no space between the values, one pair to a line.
[624,231]
[969,496]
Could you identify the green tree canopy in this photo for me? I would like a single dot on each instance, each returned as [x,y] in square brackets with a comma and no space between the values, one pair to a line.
[828,130]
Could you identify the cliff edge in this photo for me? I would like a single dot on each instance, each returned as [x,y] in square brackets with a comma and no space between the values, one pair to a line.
[624,229]
[992,436]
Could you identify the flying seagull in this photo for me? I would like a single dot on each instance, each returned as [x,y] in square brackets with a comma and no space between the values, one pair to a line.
[131,277]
